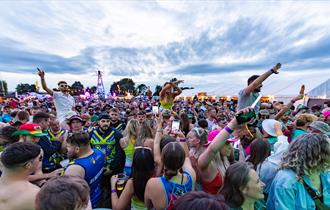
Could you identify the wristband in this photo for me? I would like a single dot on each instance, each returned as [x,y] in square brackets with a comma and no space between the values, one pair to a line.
[183,140]
[273,71]
[229,130]
[113,191]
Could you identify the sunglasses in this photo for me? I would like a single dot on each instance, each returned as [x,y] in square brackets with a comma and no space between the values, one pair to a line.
[198,132]
[64,86]
[140,147]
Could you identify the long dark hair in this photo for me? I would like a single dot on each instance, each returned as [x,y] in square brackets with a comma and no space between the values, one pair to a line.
[237,176]
[184,123]
[143,168]
[197,200]
[260,150]
[173,157]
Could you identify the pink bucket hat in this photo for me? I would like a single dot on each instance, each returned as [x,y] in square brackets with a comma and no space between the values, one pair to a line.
[213,134]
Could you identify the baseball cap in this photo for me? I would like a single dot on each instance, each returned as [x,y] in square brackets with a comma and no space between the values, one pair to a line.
[320,126]
[29,129]
[104,116]
[166,113]
[301,107]
[148,111]
[75,117]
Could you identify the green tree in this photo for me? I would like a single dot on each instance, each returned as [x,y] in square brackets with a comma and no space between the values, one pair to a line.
[3,88]
[141,89]
[77,88]
[158,88]
[123,86]
[24,88]
[93,89]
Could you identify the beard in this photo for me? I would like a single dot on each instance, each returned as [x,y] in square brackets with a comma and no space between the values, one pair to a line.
[105,127]
[72,155]
[257,90]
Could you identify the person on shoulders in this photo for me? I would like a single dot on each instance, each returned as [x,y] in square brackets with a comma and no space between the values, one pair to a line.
[64,102]
[248,95]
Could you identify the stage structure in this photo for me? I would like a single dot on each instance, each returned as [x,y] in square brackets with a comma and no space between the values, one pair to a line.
[100,87]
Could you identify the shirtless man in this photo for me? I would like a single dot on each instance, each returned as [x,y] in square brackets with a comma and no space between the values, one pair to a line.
[18,161]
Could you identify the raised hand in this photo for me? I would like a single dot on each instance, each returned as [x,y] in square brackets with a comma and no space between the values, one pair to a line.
[301,94]
[41,73]
[276,68]
[159,120]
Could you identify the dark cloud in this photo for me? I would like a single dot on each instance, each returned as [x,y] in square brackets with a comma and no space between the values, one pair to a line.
[14,57]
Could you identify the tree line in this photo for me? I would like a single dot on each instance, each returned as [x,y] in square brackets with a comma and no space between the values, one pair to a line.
[121,87]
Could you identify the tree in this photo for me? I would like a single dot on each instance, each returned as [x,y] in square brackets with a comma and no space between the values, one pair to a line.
[141,89]
[123,86]
[25,88]
[93,89]
[77,88]
[3,88]
[157,90]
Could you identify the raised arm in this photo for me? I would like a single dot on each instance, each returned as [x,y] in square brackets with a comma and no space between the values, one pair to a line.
[164,89]
[158,137]
[288,106]
[261,78]
[43,82]
[187,166]
[178,90]
[210,153]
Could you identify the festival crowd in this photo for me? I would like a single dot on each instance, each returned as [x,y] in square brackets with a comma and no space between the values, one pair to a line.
[146,153]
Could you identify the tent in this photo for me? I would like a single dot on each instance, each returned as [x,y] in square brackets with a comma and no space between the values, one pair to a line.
[321,91]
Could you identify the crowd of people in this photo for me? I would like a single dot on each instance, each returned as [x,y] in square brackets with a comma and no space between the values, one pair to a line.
[144,153]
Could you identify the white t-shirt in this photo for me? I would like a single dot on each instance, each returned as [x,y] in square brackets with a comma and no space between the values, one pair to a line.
[63,103]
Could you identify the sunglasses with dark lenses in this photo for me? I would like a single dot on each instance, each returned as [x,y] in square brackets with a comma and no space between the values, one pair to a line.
[64,86]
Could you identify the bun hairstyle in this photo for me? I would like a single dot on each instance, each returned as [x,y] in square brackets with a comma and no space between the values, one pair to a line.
[173,157]
[201,134]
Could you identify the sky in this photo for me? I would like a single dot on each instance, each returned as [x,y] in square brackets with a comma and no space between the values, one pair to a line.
[214,46]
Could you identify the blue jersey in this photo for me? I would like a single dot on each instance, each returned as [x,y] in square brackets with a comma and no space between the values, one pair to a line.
[93,166]
[119,126]
[108,142]
[174,190]
[51,150]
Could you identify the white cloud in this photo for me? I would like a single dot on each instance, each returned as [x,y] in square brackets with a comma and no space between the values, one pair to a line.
[157,38]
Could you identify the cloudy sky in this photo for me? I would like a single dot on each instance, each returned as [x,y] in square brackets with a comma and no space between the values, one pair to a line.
[213,45]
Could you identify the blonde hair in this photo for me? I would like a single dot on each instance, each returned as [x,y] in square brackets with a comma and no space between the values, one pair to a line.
[132,129]
[305,119]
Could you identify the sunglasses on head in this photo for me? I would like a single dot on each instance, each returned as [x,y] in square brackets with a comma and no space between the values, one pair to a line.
[140,147]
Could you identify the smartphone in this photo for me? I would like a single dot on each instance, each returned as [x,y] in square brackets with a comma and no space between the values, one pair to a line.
[155,109]
[243,118]
[175,125]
